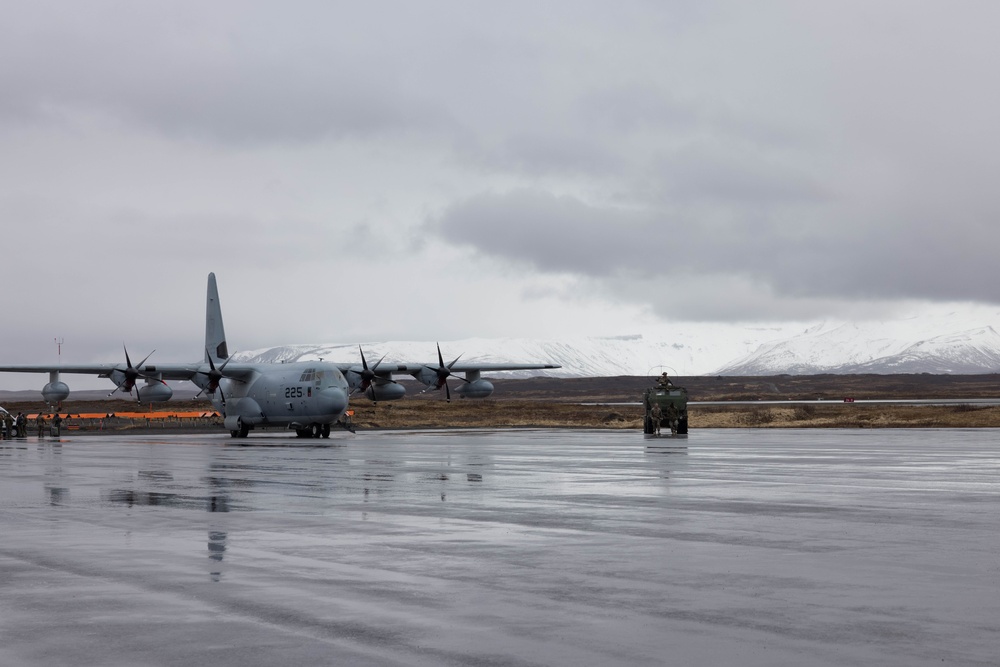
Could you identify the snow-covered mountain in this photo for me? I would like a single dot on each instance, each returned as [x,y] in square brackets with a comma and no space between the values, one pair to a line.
[950,342]
[854,349]
[685,354]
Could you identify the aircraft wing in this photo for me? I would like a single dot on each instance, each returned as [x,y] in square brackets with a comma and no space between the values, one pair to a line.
[466,367]
[165,371]
[469,366]
[377,383]
[101,370]
[188,371]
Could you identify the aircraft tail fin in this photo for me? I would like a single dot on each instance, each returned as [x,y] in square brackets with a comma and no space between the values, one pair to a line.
[215,332]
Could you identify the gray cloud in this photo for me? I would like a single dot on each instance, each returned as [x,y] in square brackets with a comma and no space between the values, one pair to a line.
[775,160]
[238,73]
[804,255]
[824,163]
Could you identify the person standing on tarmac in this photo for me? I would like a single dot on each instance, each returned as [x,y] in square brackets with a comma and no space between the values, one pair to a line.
[8,421]
[673,416]
[656,416]
[40,424]
[56,423]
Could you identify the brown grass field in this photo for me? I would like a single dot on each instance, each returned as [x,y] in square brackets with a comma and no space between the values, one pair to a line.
[612,403]
[513,413]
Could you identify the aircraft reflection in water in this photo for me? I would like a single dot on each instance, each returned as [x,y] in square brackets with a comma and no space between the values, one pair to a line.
[221,498]
[58,495]
[308,397]
[215,502]
[133,497]
[216,551]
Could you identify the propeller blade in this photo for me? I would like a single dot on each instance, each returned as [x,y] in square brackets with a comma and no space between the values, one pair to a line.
[444,372]
[368,374]
[215,375]
[131,373]
[144,360]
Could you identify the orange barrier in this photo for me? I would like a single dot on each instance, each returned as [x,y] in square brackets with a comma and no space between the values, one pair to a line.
[129,415]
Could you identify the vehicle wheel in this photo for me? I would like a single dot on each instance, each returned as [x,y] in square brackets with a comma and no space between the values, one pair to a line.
[326,431]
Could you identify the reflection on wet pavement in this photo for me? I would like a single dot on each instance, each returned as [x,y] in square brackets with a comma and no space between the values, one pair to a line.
[513,547]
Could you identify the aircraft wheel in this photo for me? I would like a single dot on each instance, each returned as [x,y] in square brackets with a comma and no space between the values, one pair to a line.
[326,431]
[234,433]
[316,430]
[303,432]
[244,430]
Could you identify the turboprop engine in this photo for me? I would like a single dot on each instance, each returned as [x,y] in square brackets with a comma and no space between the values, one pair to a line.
[371,384]
[118,377]
[437,378]
[125,379]
[427,376]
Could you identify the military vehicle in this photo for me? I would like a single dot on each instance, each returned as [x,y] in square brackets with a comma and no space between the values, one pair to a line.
[672,402]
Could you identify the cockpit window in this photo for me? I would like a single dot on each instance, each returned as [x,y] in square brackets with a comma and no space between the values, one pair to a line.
[308,375]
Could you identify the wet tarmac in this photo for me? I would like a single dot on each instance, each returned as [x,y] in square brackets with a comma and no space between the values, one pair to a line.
[749,547]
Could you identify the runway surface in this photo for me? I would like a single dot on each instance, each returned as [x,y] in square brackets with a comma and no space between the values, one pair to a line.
[749,547]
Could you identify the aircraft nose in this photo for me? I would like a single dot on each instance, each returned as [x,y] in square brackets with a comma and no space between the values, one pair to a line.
[332,400]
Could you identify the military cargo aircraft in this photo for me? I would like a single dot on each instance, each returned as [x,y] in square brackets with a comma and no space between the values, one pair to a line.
[307,396]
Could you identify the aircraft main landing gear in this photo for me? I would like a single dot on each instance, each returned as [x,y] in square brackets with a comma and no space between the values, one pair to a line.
[313,431]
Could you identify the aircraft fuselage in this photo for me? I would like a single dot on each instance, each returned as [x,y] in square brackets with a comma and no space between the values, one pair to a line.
[298,395]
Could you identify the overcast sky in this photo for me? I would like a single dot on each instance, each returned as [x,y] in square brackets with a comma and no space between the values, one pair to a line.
[439,170]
